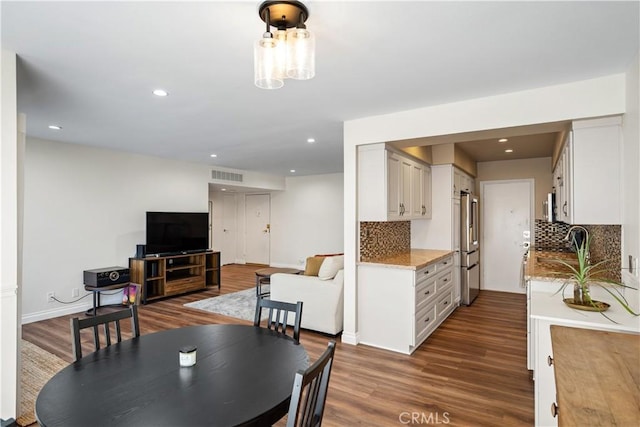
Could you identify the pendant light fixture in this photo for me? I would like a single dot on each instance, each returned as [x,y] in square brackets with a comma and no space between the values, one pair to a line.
[288,54]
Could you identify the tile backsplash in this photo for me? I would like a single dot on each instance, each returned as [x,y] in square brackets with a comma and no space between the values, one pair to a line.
[606,241]
[381,239]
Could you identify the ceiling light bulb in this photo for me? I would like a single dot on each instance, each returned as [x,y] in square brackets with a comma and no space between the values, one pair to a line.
[160,92]
[55,127]
[214,155]
[508,150]
[223,189]
[292,171]
[503,140]
[311,140]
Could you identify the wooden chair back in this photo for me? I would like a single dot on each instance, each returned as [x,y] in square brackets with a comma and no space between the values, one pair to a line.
[105,321]
[278,316]
[309,394]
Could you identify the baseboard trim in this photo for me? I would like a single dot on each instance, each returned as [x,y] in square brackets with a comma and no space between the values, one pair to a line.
[55,312]
[350,338]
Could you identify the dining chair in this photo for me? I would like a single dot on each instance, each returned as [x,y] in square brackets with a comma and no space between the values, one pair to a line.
[105,320]
[278,316]
[310,391]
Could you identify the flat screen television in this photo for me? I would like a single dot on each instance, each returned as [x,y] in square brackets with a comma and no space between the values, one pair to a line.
[177,232]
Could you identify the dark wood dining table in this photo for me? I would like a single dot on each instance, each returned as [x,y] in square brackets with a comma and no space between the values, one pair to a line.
[243,376]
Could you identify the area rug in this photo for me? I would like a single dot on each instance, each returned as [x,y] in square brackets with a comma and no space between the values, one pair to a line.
[38,366]
[241,304]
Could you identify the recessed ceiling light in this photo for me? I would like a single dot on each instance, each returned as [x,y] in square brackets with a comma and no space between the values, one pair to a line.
[160,92]
[502,140]
[223,189]
[55,127]
[311,140]
[508,150]
[292,171]
[214,155]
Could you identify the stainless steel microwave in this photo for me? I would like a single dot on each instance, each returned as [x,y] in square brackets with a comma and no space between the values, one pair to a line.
[549,208]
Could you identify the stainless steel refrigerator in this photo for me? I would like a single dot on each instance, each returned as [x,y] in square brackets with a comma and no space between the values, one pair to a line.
[469,248]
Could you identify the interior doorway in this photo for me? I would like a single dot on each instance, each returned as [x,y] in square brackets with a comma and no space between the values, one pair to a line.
[229,243]
[506,214]
[258,229]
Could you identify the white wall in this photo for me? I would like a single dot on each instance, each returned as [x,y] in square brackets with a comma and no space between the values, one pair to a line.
[9,325]
[590,98]
[307,219]
[538,169]
[85,208]
[631,176]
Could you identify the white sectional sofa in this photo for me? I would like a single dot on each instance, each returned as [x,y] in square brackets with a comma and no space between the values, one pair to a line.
[322,300]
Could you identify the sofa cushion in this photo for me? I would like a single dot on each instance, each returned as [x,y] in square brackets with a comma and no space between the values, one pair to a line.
[313,265]
[330,267]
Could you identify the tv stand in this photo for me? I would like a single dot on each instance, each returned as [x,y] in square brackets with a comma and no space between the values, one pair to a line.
[169,275]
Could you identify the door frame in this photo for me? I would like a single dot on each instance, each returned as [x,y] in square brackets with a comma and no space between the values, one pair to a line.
[246,215]
[532,215]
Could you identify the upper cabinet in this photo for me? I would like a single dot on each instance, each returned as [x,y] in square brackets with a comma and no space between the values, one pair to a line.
[462,182]
[392,186]
[587,176]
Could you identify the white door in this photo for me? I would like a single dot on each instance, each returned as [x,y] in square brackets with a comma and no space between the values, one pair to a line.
[258,215]
[229,245]
[507,212]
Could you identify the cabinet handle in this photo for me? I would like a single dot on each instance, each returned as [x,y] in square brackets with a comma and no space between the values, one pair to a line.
[554,410]
[446,280]
[427,293]
[446,302]
[426,272]
[564,208]
[549,360]
[427,320]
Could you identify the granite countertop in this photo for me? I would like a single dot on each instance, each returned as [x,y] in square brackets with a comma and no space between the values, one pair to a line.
[414,259]
[543,265]
[540,265]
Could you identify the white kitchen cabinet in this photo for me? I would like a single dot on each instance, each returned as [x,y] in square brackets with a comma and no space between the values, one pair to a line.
[398,308]
[587,176]
[421,192]
[427,203]
[462,182]
[391,185]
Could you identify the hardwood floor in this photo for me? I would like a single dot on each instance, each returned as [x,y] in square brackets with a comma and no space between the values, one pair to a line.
[472,371]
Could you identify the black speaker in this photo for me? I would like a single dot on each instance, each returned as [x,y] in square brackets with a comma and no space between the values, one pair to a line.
[141,251]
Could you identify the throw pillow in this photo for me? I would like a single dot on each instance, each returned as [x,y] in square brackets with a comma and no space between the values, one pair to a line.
[313,265]
[330,267]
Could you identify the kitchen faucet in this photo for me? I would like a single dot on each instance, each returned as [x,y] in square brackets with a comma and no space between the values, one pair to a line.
[584,242]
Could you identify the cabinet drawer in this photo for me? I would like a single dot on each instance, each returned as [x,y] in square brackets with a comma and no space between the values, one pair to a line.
[445,302]
[445,263]
[425,321]
[444,280]
[425,272]
[425,293]
[183,285]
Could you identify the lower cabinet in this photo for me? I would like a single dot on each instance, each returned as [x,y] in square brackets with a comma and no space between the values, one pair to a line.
[398,308]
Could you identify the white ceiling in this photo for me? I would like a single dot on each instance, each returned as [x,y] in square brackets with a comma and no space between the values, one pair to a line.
[91,66]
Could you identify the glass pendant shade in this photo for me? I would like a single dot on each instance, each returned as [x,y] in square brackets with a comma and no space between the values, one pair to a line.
[267,68]
[301,59]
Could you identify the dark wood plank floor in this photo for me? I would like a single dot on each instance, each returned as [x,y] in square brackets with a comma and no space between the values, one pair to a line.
[471,371]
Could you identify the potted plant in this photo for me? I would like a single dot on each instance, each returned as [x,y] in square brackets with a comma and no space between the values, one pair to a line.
[584,275]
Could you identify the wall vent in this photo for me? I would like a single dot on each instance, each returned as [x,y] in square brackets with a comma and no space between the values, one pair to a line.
[226,176]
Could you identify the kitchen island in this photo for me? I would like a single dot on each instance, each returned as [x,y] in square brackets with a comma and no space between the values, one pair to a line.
[403,298]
